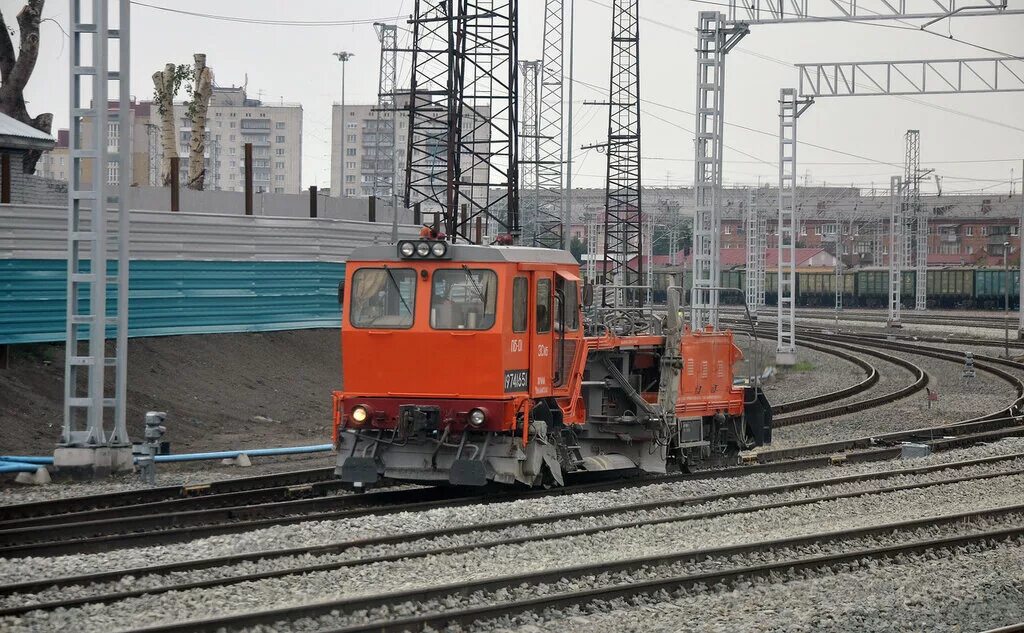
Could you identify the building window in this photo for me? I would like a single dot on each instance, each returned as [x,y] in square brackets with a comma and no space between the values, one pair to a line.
[351,151]
[278,189]
[279,125]
[803,229]
[350,164]
[279,164]
[233,164]
[350,178]
[970,250]
[279,178]
[351,138]
[1013,230]
[112,173]
[279,139]
[112,135]
[970,231]
[232,126]
[351,124]
[727,229]
[984,231]
[279,151]
[350,192]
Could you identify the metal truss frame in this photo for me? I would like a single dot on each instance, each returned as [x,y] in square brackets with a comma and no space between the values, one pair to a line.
[912,77]
[790,109]
[487,115]
[552,221]
[384,182]
[897,243]
[715,38]
[783,11]
[94,276]
[757,250]
[431,161]
[592,227]
[623,221]
[529,150]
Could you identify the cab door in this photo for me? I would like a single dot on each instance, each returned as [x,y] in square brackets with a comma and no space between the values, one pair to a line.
[541,321]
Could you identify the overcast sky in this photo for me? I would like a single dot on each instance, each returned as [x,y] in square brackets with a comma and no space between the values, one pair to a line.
[973,141]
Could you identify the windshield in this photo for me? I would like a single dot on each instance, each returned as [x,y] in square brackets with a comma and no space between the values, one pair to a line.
[383,297]
[463,299]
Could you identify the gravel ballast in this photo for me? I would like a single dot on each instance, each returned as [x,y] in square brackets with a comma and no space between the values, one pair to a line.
[648,540]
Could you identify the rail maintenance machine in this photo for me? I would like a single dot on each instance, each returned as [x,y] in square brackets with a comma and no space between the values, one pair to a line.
[466,364]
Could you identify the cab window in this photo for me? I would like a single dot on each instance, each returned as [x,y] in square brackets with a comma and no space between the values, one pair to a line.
[463,299]
[383,298]
[568,290]
[520,303]
[543,306]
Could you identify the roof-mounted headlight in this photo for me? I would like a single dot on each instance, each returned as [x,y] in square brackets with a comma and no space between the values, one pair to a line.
[423,249]
[439,249]
[406,249]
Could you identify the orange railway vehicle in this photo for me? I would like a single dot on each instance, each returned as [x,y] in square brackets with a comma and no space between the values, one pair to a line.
[466,364]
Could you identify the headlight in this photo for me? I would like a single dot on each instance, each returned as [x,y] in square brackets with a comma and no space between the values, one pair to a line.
[407,249]
[439,249]
[477,417]
[360,414]
[423,249]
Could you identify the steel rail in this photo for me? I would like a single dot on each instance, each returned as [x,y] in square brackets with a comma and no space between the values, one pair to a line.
[680,502]
[468,616]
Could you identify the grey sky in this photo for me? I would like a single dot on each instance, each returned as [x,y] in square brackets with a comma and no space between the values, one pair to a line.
[295,64]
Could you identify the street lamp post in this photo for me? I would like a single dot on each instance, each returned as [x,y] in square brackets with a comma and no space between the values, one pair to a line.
[343,57]
[1006,299]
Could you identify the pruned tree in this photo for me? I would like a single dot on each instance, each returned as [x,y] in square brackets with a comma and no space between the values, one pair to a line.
[16,69]
[166,83]
[202,75]
[197,82]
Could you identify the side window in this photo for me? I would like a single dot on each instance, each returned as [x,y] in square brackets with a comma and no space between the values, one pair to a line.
[572,305]
[520,304]
[543,306]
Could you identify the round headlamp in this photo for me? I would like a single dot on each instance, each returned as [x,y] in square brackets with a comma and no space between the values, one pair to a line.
[423,249]
[439,249]
[477,417]
[407,249]
[360,414]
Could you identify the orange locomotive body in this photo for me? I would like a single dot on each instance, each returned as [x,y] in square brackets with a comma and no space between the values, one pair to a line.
[465,364]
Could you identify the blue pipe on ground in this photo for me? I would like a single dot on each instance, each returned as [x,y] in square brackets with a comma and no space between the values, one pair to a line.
[256,452]
[23,461]
[19,467]
[26,459]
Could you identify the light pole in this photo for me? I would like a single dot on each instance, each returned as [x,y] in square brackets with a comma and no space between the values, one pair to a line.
[1006,299]
[343,57]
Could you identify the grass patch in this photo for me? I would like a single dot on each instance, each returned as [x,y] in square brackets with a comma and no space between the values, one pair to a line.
[801,366]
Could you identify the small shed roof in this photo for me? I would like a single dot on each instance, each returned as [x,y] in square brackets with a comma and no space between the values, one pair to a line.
[16,135]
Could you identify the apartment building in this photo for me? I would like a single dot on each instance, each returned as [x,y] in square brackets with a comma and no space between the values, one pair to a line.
[363,151]
[54,164]
[233,120]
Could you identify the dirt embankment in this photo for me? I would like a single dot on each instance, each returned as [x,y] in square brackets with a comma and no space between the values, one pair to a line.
[220,391]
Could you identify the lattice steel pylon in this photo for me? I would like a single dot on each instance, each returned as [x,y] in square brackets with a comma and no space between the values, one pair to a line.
[896,245]
[715,38]
[790,109]
[385,150]
[552,221]
[916,217]
[432,160]
[529,148]
[757,249]
[592,228]
[623,221]
[94,278]
[487,55]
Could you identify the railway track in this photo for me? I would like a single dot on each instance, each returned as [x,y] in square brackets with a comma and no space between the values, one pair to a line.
[475,600]
[179,520]
[907,316]
[492,534]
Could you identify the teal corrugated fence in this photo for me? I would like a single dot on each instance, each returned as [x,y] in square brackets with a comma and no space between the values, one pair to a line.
[177,297]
